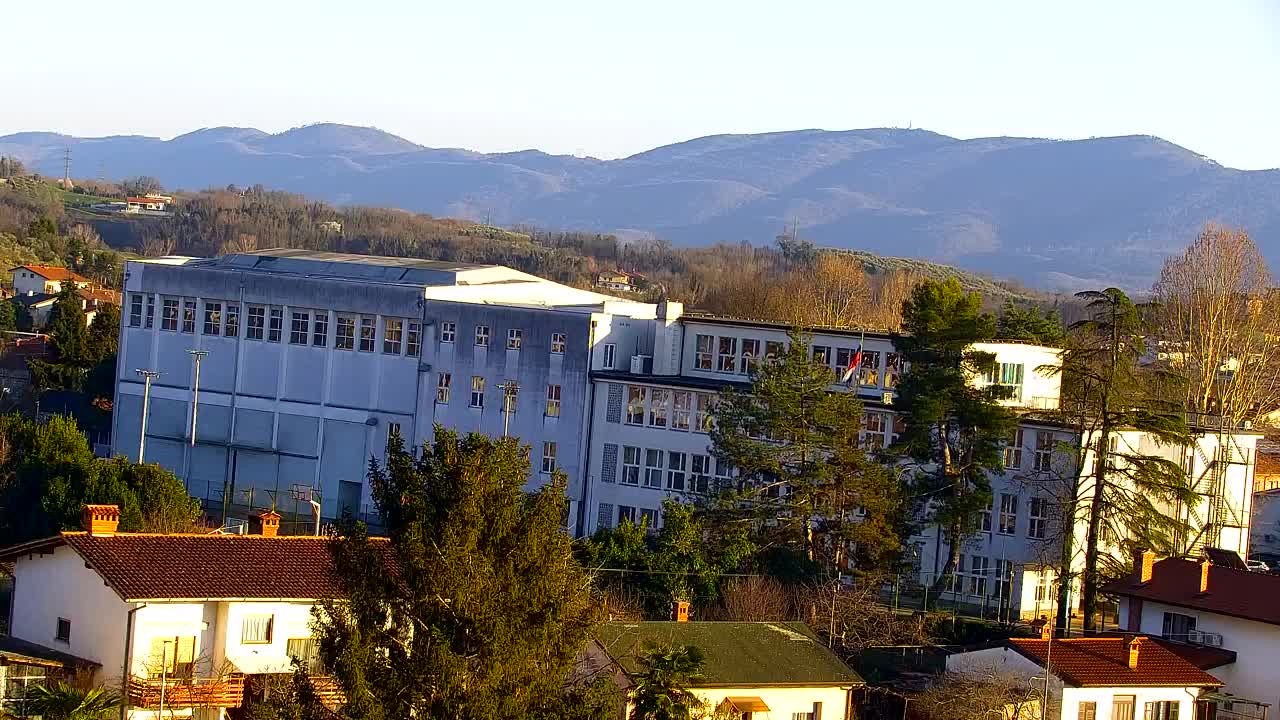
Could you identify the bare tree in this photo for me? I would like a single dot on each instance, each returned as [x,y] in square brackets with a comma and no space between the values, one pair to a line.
[1216,321]
[758,599]
[244,243]
[961,697]
[157,246]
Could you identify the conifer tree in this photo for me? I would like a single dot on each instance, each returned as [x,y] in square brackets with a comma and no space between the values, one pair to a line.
[474,607]
[802,473]
[67,327]
[956,429]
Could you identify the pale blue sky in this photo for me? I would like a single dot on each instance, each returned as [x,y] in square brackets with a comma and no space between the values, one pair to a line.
[608,78]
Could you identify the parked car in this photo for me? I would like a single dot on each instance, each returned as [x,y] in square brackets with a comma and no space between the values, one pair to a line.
[1257,566]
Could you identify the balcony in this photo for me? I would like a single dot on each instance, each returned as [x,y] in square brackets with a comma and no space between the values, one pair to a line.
[224,692]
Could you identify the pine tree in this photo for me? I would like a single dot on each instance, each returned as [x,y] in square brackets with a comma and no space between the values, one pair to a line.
[1030,325]
[103,335]
[474,607]
[803,476]
[1123,494]
[67,327]
[955,430]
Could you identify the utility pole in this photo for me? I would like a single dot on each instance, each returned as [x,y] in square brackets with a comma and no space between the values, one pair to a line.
[149,375]
[197,356]
[510,389]
[66,168]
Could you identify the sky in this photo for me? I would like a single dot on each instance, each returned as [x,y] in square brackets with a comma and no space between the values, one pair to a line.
[608,78]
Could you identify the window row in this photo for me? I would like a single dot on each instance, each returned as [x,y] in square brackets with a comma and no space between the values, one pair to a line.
[672,470]
[515,337]
[981,577]
[683,410]
[510,394]
[1007,517]
[851,365]
[1041,452]
[1123,706]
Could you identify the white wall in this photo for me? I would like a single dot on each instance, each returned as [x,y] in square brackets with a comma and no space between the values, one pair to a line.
[289,621]
[783,702]
[50,586]
[1104,697]
[1041,388]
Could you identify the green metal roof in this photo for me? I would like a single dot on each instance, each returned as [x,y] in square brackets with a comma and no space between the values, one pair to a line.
[737,653]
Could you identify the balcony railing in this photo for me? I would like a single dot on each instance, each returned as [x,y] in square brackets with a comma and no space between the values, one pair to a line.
[187,693]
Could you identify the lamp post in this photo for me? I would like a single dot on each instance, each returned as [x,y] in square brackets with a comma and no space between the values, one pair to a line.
[197,356]
[148,376]
[510,389]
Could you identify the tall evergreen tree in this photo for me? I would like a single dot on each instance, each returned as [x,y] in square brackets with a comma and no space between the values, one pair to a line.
[955,428]
[8,316]
[802,473]
[67,327]
[1030,325]
[474,607]
[1126,495]
[103,335]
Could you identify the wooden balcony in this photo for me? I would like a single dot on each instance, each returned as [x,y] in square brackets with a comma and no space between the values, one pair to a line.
[187,693]
[327,691]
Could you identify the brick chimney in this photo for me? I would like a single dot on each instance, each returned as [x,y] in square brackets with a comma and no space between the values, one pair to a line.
[100,519]
[680,611]
[265,523]
[1144,564]
[1205,564]
[1135,646]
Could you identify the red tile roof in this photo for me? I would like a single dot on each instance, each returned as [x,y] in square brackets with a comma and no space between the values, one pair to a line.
[1238,593]
[1104,662]
[100,295]
[1267,464]
[142,566]
[52,272]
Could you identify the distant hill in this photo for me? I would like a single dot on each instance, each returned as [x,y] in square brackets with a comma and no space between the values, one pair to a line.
[1053,214]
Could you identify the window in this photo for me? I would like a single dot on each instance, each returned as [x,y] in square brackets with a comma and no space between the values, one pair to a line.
[1007,376]
[257,322]
[1088,710]
[1043,459]
[553,401]
[477,391]
[442,388]
[727,354]
[978,567]
[724,472]
[1013,451]
[700,476]
[1122,707]
[305,652]
[801,716]
[984,519]
[702,416]
[169,314]
[275,326]
[750,352]
[653,468]
[255,629]
[413,340]
[1178,626]
[626,513]
[1037,517]
[393,430]
[1043,582]
[659,400]
[392,335]
[482,336]
[320,329]
[299,327]
[212,318]
[1161,710]
[773,349]
[515,338]
[677,464]
[548,457]
[1008,513]
[557,343]
[873,426]
[448,331]
[63,630]
[172,656]
[869,369]
[1004,578]
[681,409]
[703,347]
[635,404]
[368,331]
[630,465]
[232,327]
[345,338]
[892,370]
[610,351]
[188,316]
[135,310]
[821,354]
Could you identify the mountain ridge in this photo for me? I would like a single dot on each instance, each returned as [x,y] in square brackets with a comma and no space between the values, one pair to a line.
[1060,214]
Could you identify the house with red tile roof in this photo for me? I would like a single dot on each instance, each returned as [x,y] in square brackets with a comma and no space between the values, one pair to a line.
[44,279]
[1197,607]
[204,615]
[1086,678]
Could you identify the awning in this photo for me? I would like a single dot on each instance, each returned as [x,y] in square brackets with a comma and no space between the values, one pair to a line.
[20,651]
[747,704]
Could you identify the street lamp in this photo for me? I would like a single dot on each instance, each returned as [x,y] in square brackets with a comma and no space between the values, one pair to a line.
[148,375]
[197,356]
[510,389]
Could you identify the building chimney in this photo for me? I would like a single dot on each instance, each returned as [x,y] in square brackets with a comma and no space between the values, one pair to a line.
[1205,564]
[1135,646]
[680,611]
[1146,566]
[100,520]
[265,523]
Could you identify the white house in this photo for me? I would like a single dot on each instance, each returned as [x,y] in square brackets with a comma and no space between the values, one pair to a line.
[756,670]
[201,616]
[1122,678]
[1232,614]
[44,279]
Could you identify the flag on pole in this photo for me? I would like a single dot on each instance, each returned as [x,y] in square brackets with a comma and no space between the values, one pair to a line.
[854,361]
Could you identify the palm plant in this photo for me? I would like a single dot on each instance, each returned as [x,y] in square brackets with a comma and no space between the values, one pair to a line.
[661,691]
[68,702]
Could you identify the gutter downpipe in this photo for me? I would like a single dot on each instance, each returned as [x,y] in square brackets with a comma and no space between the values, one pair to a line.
[228,463]
[128,653]
[588,416]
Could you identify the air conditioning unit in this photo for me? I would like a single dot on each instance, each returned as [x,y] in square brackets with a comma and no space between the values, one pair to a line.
[1208,639]
[641,364]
